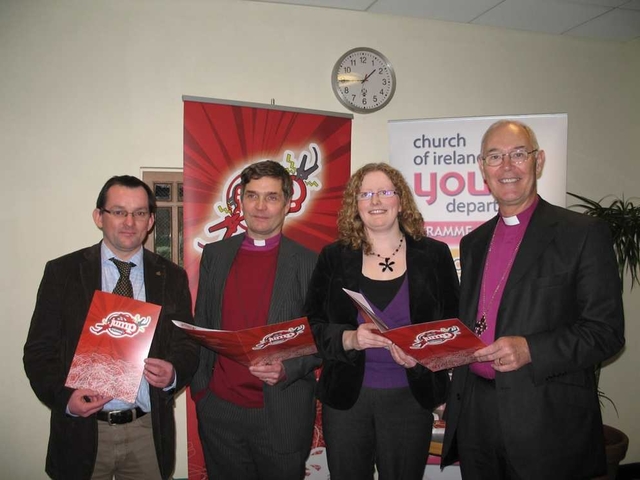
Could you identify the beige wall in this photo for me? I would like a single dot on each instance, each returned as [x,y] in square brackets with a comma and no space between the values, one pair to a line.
[92,89]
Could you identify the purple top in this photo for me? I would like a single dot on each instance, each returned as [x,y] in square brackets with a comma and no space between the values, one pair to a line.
[506,239]
[380,369]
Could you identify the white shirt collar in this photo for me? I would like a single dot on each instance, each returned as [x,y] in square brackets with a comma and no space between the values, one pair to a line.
[511,221]
[106,254]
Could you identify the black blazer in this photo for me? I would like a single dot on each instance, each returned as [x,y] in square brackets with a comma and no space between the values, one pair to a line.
[563,295]
[290,404]
[63,300]
[433,295]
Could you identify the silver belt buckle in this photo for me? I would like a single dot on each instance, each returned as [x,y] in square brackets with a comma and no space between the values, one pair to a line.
[112,412]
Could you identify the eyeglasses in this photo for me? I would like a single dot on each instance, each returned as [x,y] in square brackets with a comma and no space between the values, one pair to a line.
[379,193]
[139,215]
[516,156]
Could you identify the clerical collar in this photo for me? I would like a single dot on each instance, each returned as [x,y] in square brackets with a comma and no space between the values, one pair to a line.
[260,244]
[510,221]
[523,216]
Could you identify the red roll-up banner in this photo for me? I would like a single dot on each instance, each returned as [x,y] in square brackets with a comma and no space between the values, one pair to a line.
[222,137]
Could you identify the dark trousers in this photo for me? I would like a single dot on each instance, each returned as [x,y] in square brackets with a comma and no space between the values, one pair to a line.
[480,444]
[481,447]
[237,445]
[386,428]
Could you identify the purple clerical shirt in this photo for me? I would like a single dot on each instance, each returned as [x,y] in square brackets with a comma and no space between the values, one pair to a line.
[506,240]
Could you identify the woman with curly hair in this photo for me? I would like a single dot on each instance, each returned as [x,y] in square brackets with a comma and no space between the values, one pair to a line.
[376,400]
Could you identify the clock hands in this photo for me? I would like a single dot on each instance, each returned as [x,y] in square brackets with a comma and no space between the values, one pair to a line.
[353,78]
[367,76]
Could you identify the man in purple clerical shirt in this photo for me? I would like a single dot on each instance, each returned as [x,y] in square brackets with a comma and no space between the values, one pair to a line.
[540,286]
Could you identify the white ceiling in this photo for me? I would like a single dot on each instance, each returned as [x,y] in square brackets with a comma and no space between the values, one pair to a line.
[617,20]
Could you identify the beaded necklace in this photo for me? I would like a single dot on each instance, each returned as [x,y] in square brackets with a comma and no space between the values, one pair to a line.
[387,265]
[481,324]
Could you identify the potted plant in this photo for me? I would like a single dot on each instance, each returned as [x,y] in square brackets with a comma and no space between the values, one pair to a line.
[623,217]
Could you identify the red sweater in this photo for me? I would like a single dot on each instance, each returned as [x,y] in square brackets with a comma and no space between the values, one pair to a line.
[245,304]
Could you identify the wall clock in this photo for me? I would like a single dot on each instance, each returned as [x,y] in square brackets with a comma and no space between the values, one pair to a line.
[363,80]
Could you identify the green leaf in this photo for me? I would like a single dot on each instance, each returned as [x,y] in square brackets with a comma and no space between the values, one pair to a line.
[623,217]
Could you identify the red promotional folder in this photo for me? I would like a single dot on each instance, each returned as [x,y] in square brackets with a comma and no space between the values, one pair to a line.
[114,342]
[437,345]
[257,345]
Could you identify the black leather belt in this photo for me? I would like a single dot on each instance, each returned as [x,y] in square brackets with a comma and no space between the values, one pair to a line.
[118,417]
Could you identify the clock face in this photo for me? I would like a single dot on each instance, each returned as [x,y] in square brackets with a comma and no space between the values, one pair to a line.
[363,80]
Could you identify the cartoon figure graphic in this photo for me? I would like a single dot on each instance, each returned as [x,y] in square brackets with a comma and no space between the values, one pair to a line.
[305,175]
[302,174]
[234,218]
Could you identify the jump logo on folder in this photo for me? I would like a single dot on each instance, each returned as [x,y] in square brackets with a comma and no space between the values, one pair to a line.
[258,345]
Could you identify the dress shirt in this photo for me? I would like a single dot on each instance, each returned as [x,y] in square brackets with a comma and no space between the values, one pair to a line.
[110,276]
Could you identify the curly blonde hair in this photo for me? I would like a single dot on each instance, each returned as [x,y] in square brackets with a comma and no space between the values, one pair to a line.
[351,231]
